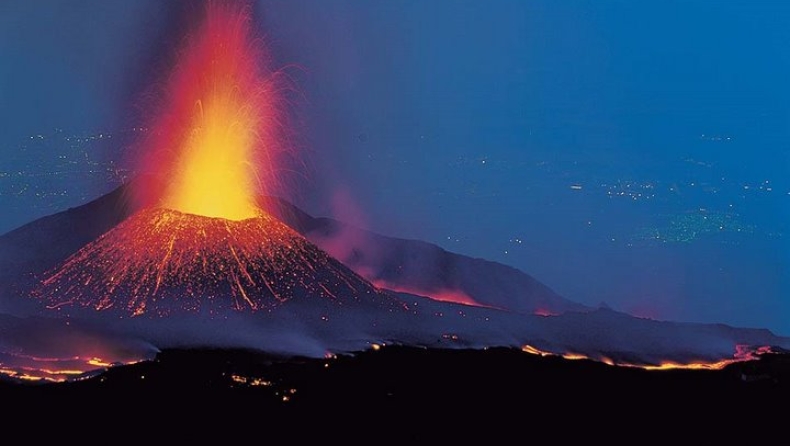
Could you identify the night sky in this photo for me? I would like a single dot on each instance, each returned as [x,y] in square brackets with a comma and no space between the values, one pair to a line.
[632,153]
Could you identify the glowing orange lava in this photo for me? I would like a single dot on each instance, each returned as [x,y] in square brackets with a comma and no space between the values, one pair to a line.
[31,368]
[443,295]
[215,140]
[742,353]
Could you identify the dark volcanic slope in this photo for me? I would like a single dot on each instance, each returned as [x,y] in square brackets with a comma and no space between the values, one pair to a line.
[405,391]
[41,244]
[404,265]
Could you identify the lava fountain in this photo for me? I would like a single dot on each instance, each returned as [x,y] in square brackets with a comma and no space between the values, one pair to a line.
[215,139]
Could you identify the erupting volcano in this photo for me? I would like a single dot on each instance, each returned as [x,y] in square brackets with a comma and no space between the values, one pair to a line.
[204,257]
[206,243]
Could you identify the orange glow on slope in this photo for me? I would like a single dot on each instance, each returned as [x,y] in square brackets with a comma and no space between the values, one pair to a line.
[31,368]
[742,353]
[544,312]
[443,295]
[215,140]
[160,261]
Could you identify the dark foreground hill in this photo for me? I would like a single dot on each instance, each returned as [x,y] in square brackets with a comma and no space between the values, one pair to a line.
[406,392]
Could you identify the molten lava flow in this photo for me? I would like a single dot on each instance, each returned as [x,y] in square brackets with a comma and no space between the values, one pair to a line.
[443,295]
[215,140]
[56,369]
[742,353]
[161,261]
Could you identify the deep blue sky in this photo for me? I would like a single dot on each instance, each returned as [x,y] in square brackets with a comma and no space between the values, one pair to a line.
[628,152]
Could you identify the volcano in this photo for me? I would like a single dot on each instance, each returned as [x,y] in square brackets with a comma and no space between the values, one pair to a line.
[200,242]
[160,261]
[172,279]
[197,259]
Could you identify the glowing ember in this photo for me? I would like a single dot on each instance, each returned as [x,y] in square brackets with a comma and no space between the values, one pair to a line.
[215,140]
[161,260]
[250,381]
